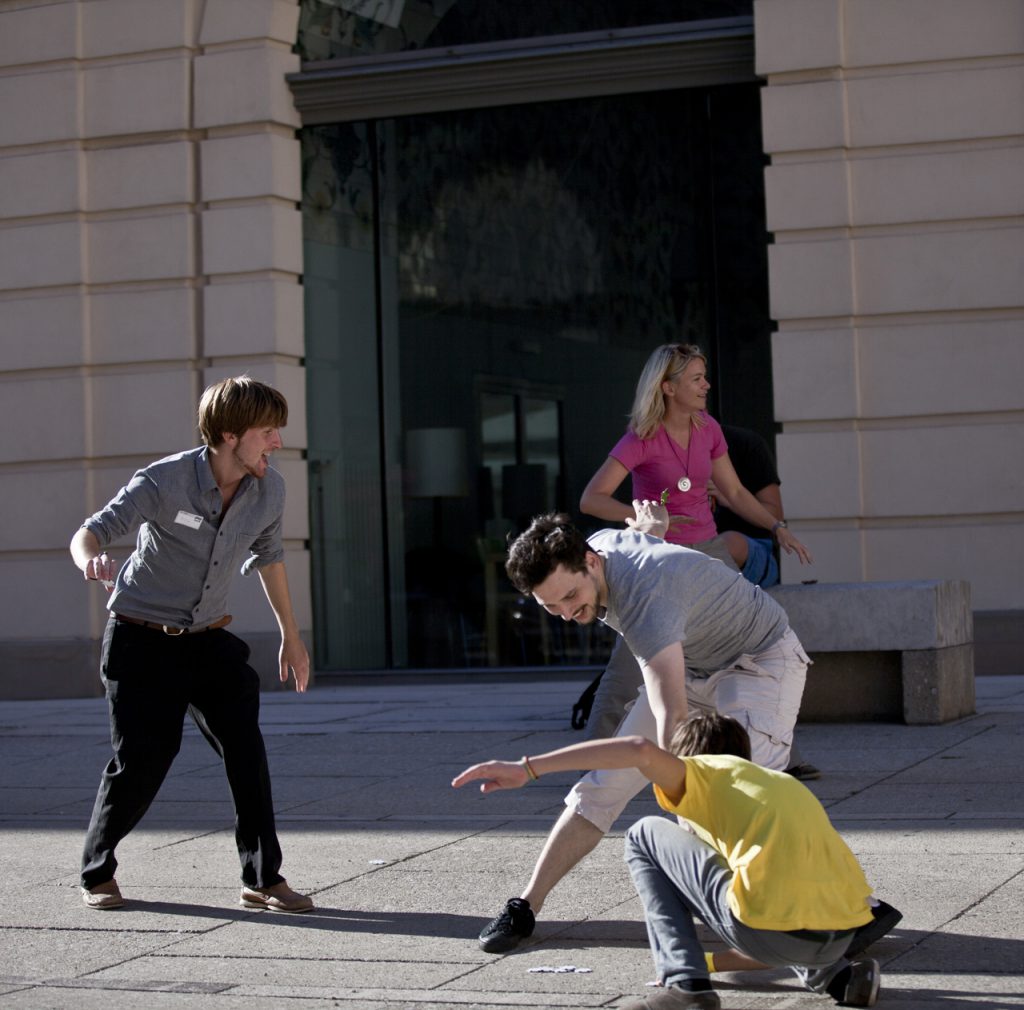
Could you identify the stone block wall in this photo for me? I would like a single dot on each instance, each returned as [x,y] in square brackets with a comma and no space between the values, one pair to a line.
[150,243]
[895,130]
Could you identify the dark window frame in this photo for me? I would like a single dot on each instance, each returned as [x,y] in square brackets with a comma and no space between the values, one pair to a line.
[584,65]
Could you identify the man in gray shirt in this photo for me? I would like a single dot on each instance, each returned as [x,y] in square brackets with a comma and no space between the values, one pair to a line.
[199,515]
[741,659]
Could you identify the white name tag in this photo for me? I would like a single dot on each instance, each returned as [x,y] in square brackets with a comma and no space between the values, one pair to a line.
[187,519]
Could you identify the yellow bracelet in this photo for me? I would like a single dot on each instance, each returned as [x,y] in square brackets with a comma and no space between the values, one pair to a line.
[709,960]
[529,769]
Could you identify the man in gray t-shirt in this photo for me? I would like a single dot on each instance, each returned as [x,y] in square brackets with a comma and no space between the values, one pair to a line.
[705,639]
[657,591]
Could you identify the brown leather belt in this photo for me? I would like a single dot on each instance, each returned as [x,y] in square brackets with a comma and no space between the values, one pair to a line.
[168,629]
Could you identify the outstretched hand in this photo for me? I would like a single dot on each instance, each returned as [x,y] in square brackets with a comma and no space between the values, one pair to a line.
[651,518]
[493,775]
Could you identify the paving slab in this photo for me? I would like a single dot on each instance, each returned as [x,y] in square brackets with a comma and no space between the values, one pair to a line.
[40,953]
[947,800]
[286,973]
[405,870]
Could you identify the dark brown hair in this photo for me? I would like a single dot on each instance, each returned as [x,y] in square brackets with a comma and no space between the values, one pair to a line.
[711,733]
[550,541]
[235,405]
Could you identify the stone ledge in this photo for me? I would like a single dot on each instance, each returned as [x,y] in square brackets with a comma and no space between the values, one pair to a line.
[857,616]
[885,650]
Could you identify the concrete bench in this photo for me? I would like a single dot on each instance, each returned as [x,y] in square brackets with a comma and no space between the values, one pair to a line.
[884,650]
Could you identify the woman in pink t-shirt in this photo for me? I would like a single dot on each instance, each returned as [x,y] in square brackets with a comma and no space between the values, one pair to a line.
[673,444]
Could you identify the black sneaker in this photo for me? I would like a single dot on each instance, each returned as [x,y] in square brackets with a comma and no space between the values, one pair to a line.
[883,919]
[805,772]
[515,922]
[857,984]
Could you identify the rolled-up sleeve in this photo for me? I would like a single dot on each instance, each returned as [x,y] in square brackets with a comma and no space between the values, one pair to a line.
[266,549]
[136,502]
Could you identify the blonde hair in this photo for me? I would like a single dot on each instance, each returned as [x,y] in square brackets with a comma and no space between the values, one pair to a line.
[665,363]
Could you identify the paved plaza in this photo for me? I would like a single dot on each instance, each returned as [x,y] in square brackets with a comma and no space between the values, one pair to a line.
[405,870]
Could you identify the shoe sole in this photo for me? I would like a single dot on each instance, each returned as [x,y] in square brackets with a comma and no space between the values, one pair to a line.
[274,908]
[873,932]
[105,903]
[108,906]
[863,991]
[500,944]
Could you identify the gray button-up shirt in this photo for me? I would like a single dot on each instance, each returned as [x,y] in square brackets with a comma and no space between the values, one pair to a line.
[188,547]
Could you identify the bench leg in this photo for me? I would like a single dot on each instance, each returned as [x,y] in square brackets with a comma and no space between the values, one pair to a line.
[938,684]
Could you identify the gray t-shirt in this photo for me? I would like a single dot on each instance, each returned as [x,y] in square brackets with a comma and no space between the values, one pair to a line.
[660,593]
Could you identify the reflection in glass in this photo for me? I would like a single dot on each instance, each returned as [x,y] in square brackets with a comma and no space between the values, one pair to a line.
[543,445]
[497,448]
[503,274]
[332,29]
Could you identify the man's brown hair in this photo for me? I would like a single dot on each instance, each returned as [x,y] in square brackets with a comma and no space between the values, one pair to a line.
[551,540]
[711,733]
[233,406]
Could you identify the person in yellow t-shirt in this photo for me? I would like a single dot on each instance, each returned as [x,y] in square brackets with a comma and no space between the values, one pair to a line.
[760,864]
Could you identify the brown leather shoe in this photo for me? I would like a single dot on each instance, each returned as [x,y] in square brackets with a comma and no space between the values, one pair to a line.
[103,896]
[279,898]
[674,998]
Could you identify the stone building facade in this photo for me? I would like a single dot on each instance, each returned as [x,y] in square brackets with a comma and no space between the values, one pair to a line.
[151,241]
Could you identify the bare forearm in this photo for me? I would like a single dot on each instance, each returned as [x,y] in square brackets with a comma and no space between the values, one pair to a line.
[275,585]
[84,547]
[91,559]
[771,498]
[619,752]
[746,506]
[665,679]
[293,657]
[605,506]
[670,710]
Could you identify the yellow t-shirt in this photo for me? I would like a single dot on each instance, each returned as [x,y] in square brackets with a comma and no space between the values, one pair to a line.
[791,870]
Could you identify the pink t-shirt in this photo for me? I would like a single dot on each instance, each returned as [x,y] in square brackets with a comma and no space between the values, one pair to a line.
[658,462]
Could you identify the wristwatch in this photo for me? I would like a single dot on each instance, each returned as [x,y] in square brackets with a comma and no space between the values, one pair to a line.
[782,523]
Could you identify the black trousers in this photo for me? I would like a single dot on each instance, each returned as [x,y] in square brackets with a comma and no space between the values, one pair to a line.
[152,680]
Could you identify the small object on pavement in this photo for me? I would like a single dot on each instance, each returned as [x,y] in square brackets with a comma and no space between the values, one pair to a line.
[564,969]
